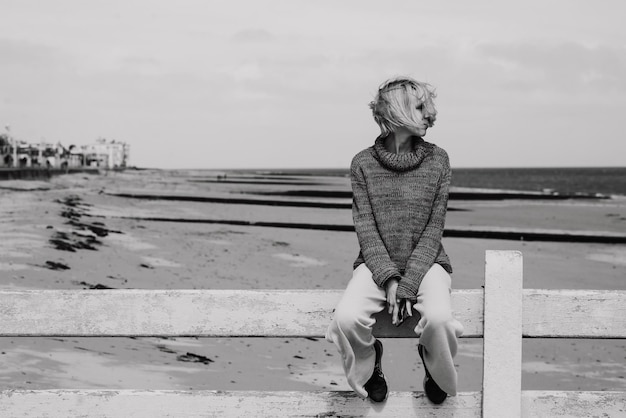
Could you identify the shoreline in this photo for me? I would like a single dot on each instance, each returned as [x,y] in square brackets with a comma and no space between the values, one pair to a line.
[468,187]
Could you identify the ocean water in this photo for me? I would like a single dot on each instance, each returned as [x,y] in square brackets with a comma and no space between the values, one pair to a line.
[568,180]
[602,180]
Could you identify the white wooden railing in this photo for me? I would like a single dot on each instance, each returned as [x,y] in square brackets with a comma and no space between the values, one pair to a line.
[503,312]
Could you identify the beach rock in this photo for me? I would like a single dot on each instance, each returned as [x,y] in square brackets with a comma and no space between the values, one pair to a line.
[96,286]
[53,265]
[194,358]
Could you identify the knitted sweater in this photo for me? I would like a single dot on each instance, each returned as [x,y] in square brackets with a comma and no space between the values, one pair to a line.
[399,209]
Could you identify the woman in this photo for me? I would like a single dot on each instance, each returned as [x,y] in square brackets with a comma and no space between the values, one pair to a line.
[400,188]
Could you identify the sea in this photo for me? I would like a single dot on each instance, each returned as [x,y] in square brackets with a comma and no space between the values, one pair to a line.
[564,180]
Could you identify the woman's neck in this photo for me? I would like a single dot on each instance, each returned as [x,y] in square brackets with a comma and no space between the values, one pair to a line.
[400,141]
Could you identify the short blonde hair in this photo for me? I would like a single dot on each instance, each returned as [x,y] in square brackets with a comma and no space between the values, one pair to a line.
[396,101]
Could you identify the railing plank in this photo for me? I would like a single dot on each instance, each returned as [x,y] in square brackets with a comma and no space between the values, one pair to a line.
[574,313]
[573,404]
[546,313]
[502,343]
[164,403]
[149,404]
[236,313]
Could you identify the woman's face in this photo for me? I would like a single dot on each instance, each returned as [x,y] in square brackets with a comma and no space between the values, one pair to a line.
[422,123]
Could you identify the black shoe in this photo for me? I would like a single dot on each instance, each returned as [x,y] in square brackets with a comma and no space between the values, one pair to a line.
[433,392]
[376,387]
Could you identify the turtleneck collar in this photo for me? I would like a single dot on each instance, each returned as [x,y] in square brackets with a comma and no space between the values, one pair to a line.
[404,161]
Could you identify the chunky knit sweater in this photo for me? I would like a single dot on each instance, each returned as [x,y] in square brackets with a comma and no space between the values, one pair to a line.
[399,209]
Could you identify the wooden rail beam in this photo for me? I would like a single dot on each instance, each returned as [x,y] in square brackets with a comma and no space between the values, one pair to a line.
[203,313]
[163,403]
[280,313]
[195,404]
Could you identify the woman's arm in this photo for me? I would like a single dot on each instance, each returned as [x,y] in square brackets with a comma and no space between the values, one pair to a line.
[429,243]
[372,247]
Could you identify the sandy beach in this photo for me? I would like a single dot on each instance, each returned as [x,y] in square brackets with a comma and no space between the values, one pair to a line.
[73,232]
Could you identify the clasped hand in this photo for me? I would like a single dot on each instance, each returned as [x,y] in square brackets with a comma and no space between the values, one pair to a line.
[398,308]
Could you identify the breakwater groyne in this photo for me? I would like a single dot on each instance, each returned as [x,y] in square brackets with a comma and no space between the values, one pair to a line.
[455,194]
[515,234]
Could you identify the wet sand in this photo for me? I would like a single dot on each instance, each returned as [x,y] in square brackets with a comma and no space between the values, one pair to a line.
[112,251]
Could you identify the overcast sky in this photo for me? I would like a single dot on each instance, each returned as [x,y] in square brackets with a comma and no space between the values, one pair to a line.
[261,84]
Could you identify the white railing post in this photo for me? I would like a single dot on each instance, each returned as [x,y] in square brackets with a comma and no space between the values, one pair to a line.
[502,342]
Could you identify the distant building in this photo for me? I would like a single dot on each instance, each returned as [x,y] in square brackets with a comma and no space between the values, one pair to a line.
[103,154]
[106,154]
[75,158]
[25,153]
[52,156]
[6,157]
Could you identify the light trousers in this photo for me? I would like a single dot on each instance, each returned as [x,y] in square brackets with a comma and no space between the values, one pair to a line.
[351,327]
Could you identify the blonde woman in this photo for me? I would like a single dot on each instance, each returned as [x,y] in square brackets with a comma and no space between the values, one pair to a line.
[400,187]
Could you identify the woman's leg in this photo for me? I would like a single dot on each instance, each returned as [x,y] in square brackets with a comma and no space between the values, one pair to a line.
[351,327]
[437,328]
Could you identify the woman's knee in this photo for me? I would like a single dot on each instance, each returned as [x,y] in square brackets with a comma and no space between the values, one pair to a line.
[348,317]
[440,323]
[440,320]
[438,277]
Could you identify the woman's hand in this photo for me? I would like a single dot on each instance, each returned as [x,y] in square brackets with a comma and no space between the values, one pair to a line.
[398,308]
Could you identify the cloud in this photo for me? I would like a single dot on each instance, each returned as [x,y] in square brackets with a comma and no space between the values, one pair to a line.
[252,36]
[570,67]
[29,71]
[19,55]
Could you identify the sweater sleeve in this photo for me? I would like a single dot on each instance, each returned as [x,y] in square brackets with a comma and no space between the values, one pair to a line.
[429,244]
[372,246]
